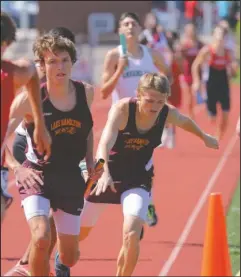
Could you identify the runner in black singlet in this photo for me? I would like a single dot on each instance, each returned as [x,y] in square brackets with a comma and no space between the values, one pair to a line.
[68,119]
[132,132]
[19,149]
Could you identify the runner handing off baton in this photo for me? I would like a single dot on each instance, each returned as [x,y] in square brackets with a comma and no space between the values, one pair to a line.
[90,182]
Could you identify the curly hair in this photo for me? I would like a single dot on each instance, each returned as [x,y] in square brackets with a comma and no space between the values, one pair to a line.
[53,44]
[63,32]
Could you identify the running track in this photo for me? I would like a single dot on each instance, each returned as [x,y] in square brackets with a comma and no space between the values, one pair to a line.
[184,178]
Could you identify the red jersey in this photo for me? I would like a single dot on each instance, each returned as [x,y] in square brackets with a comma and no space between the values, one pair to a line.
[176,95]
[219,62]
[189,53]
[7,95]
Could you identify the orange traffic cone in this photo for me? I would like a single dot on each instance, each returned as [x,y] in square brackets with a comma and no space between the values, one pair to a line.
[216,259]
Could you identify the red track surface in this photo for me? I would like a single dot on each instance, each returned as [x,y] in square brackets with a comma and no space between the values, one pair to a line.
[181,176]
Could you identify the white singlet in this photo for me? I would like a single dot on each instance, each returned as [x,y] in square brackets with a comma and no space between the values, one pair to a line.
[127,83]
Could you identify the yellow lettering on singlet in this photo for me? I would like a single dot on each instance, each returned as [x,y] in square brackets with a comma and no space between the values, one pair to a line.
[65,125]
[136,143]
[55,125]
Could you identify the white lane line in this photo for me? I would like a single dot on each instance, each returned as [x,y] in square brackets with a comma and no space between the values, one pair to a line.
[191,220]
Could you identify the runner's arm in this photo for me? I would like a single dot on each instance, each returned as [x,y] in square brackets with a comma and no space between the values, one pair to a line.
[89,158]
[111,74]
[110,132]
[198,62]
[19,109]
[159,62]
[184,122]
[25,74]
[187,124]
[27,71]
[89,90]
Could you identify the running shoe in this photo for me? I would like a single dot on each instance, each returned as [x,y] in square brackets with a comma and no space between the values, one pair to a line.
[60,269]
[152,218]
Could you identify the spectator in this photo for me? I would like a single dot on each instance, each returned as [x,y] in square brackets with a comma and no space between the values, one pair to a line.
[154,36]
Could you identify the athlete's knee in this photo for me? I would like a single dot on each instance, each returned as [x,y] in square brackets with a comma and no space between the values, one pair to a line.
[40,230]
[68,249]
[84,232]
[69,257]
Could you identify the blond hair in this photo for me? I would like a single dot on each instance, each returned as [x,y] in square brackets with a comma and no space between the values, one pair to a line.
[53,44]
[155,81]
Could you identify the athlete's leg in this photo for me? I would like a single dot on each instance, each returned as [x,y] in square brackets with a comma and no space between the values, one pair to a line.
[187,87]
[135,205]
[89,217]
[19,146]
[212,104]
[61,269]
[223,124]
[36,209]
[68,229]
[67,226]
[225,105]
[25,258]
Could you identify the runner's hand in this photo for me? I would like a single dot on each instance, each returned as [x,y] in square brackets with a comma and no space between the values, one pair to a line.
[104,182]
[123,62]
[210,141]
[196,86]
[95,174]
[29,179]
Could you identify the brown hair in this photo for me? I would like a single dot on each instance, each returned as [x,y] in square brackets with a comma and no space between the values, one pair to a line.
[8,29]
[132,15]
[155,81]
[54,44]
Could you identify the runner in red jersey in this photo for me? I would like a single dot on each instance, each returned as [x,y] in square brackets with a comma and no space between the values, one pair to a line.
[15,75]
[222,65]
[175,98]
[190,46]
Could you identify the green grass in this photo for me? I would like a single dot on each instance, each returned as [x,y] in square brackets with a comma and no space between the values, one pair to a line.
[233,225]
[236,80]
[237,33]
